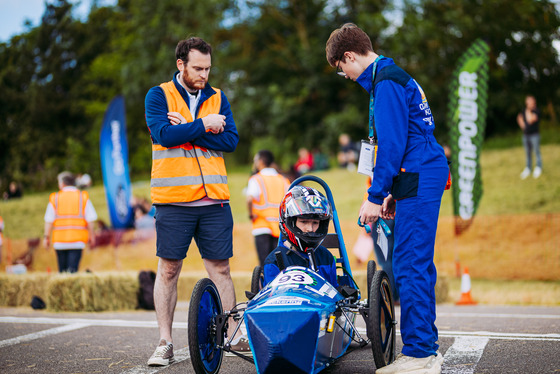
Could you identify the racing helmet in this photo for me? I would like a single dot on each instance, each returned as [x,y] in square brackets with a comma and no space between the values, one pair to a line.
[308,203]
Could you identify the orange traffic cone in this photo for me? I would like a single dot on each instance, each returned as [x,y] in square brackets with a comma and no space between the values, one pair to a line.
[466,298]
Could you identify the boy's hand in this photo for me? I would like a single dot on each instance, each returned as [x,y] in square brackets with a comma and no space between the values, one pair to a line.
[388,208]
[369,212]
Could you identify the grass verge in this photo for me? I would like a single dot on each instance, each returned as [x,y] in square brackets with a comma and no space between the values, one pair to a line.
[514,240]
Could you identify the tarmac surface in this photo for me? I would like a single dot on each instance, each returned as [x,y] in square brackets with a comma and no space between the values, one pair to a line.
[473,339]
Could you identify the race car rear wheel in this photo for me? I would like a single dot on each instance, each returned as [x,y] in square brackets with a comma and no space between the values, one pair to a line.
[381,324]
[371,268]
[205,306]
[257,280]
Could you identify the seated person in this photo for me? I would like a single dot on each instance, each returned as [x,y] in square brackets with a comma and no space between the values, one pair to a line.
[304,163]
[347,154]
[304,220]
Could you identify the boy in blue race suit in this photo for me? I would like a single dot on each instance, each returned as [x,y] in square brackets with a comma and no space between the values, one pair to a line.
[409,179]
[304,221]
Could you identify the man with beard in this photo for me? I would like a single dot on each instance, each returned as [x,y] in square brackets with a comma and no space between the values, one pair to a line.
[191,125]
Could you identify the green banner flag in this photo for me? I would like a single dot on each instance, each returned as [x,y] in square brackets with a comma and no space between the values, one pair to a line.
[467,121]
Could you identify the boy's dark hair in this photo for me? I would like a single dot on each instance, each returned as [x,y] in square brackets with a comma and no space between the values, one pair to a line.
[347,38]
[266,156]
[184,46]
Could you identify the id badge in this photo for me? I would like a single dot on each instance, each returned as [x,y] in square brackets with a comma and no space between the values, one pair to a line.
[382,241]
[368,155]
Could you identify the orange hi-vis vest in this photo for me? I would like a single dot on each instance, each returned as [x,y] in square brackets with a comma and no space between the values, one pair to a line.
[266,208]
[69,224]
[188,172]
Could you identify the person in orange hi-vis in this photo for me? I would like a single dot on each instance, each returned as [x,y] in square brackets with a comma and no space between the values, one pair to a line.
[69,217]
[265,191]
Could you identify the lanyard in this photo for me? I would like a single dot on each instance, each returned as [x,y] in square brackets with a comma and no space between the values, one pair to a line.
[372,132]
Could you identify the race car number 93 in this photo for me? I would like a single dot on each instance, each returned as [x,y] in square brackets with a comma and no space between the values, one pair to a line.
[294,277]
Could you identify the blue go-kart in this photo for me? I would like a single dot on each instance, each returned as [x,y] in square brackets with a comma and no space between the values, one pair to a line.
[297,323]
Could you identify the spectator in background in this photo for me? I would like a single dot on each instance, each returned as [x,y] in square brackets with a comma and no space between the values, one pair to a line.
[144,221]
[83,181]
[14,191]
[304,163]
[347,154]
[447,151]
[265,191]
[528,120]
[70,216]
[144,213]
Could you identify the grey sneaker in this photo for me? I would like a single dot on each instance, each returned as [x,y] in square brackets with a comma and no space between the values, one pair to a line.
[413,365]
[163,355]
[242,347]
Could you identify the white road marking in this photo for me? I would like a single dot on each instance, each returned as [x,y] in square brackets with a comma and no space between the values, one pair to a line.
[180,355]
[92,322]
[498,315]
[500,335]
[489,334]
[41,334]
[463,356]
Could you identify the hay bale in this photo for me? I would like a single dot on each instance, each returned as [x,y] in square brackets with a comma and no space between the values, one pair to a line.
[84,292]
[186,283]
[110,291]
[19,289]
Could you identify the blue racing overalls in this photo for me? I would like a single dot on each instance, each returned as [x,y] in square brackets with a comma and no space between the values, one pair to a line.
[411,166]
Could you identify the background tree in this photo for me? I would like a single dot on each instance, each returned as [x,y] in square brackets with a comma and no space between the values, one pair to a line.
[286,95]
[43,115]
[57,78]
[434,34]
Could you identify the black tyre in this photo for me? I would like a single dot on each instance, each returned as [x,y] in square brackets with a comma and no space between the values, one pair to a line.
[371,269]
[257,280]
[381,324]
[205,306]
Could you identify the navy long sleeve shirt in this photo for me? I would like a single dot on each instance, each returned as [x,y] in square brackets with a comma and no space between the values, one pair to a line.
[168,135]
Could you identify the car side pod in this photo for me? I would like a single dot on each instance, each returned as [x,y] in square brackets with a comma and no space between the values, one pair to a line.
[288,323]
[287,342]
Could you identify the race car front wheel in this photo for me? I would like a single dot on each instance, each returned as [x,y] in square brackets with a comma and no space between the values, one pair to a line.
[205,306]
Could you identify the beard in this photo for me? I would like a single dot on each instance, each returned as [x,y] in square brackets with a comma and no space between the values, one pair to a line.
[193,84]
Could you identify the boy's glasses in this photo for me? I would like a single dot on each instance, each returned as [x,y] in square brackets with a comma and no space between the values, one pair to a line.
[339,70]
